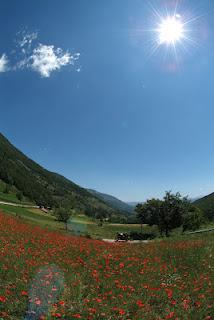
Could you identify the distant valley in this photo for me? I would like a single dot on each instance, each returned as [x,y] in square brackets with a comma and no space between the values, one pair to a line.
[113,201]
[35,184]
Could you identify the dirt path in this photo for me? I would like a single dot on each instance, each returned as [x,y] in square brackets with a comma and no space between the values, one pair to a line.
[132,241]
[201,231]
[18,205]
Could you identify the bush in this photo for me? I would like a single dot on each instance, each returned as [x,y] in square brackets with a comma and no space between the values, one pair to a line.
[6,189]
[87,235]
[141,236]
[193,219]
[19,196]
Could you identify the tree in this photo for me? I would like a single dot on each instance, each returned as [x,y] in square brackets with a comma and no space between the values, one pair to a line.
[10,180]
[149,212]
[171,213]
[19,195]
[167,214]
[6,189]
[192,219]
[62,215]
[100,223]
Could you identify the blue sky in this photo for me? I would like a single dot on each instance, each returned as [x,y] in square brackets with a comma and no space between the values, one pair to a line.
[82,94]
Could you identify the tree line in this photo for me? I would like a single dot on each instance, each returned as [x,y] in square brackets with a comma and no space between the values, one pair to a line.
[172,212]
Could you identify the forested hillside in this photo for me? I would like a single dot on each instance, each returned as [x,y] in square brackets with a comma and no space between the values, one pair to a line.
[206,204]
[113,202]
[44,187]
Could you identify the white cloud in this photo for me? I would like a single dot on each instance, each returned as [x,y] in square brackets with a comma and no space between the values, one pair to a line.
[30,54]
[28,39]
[46,59]
[21,64]
[3,63]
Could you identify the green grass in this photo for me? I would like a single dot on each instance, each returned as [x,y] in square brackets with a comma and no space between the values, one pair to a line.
[108,230]
[83,225]
[34,216]
[79,225]
[11,196]
[8,197]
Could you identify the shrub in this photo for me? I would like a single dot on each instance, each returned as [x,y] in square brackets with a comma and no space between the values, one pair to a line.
[141,236]
[192,219]
[19,196]
[6,189]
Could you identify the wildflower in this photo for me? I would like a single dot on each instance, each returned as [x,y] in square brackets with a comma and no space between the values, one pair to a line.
[169,293]
[2,299]
[140,304]
[57,315]
[93,310]
[170,315]
[121,312]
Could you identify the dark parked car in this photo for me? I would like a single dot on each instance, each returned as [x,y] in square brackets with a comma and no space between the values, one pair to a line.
[121,236]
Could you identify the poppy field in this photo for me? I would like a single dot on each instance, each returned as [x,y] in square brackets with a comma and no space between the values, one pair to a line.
[50,275]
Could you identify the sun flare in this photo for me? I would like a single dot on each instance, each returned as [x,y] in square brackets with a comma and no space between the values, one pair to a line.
[174,32]
[171,30]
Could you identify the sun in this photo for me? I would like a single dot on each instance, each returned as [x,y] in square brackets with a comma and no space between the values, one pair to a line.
[171,30]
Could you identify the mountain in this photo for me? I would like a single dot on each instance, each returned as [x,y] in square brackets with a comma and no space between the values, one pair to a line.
[44,187]
[113,201]
[195,198]
[206,204]
[134,203]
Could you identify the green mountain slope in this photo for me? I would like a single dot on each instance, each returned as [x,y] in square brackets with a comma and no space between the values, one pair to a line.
[113,201]
[45,187]
[206,204]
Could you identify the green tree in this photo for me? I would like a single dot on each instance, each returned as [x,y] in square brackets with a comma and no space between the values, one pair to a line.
[6,189]
[167,214]
[63,215]
[193,219]
[173,208]
[19,195]
[149,212]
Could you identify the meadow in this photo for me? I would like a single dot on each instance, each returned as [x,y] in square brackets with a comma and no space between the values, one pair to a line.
[69,277]
[78,225]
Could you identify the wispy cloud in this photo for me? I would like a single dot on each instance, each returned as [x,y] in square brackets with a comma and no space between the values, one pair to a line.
[46,59]
[4,62]
[35,56]
[26,40]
